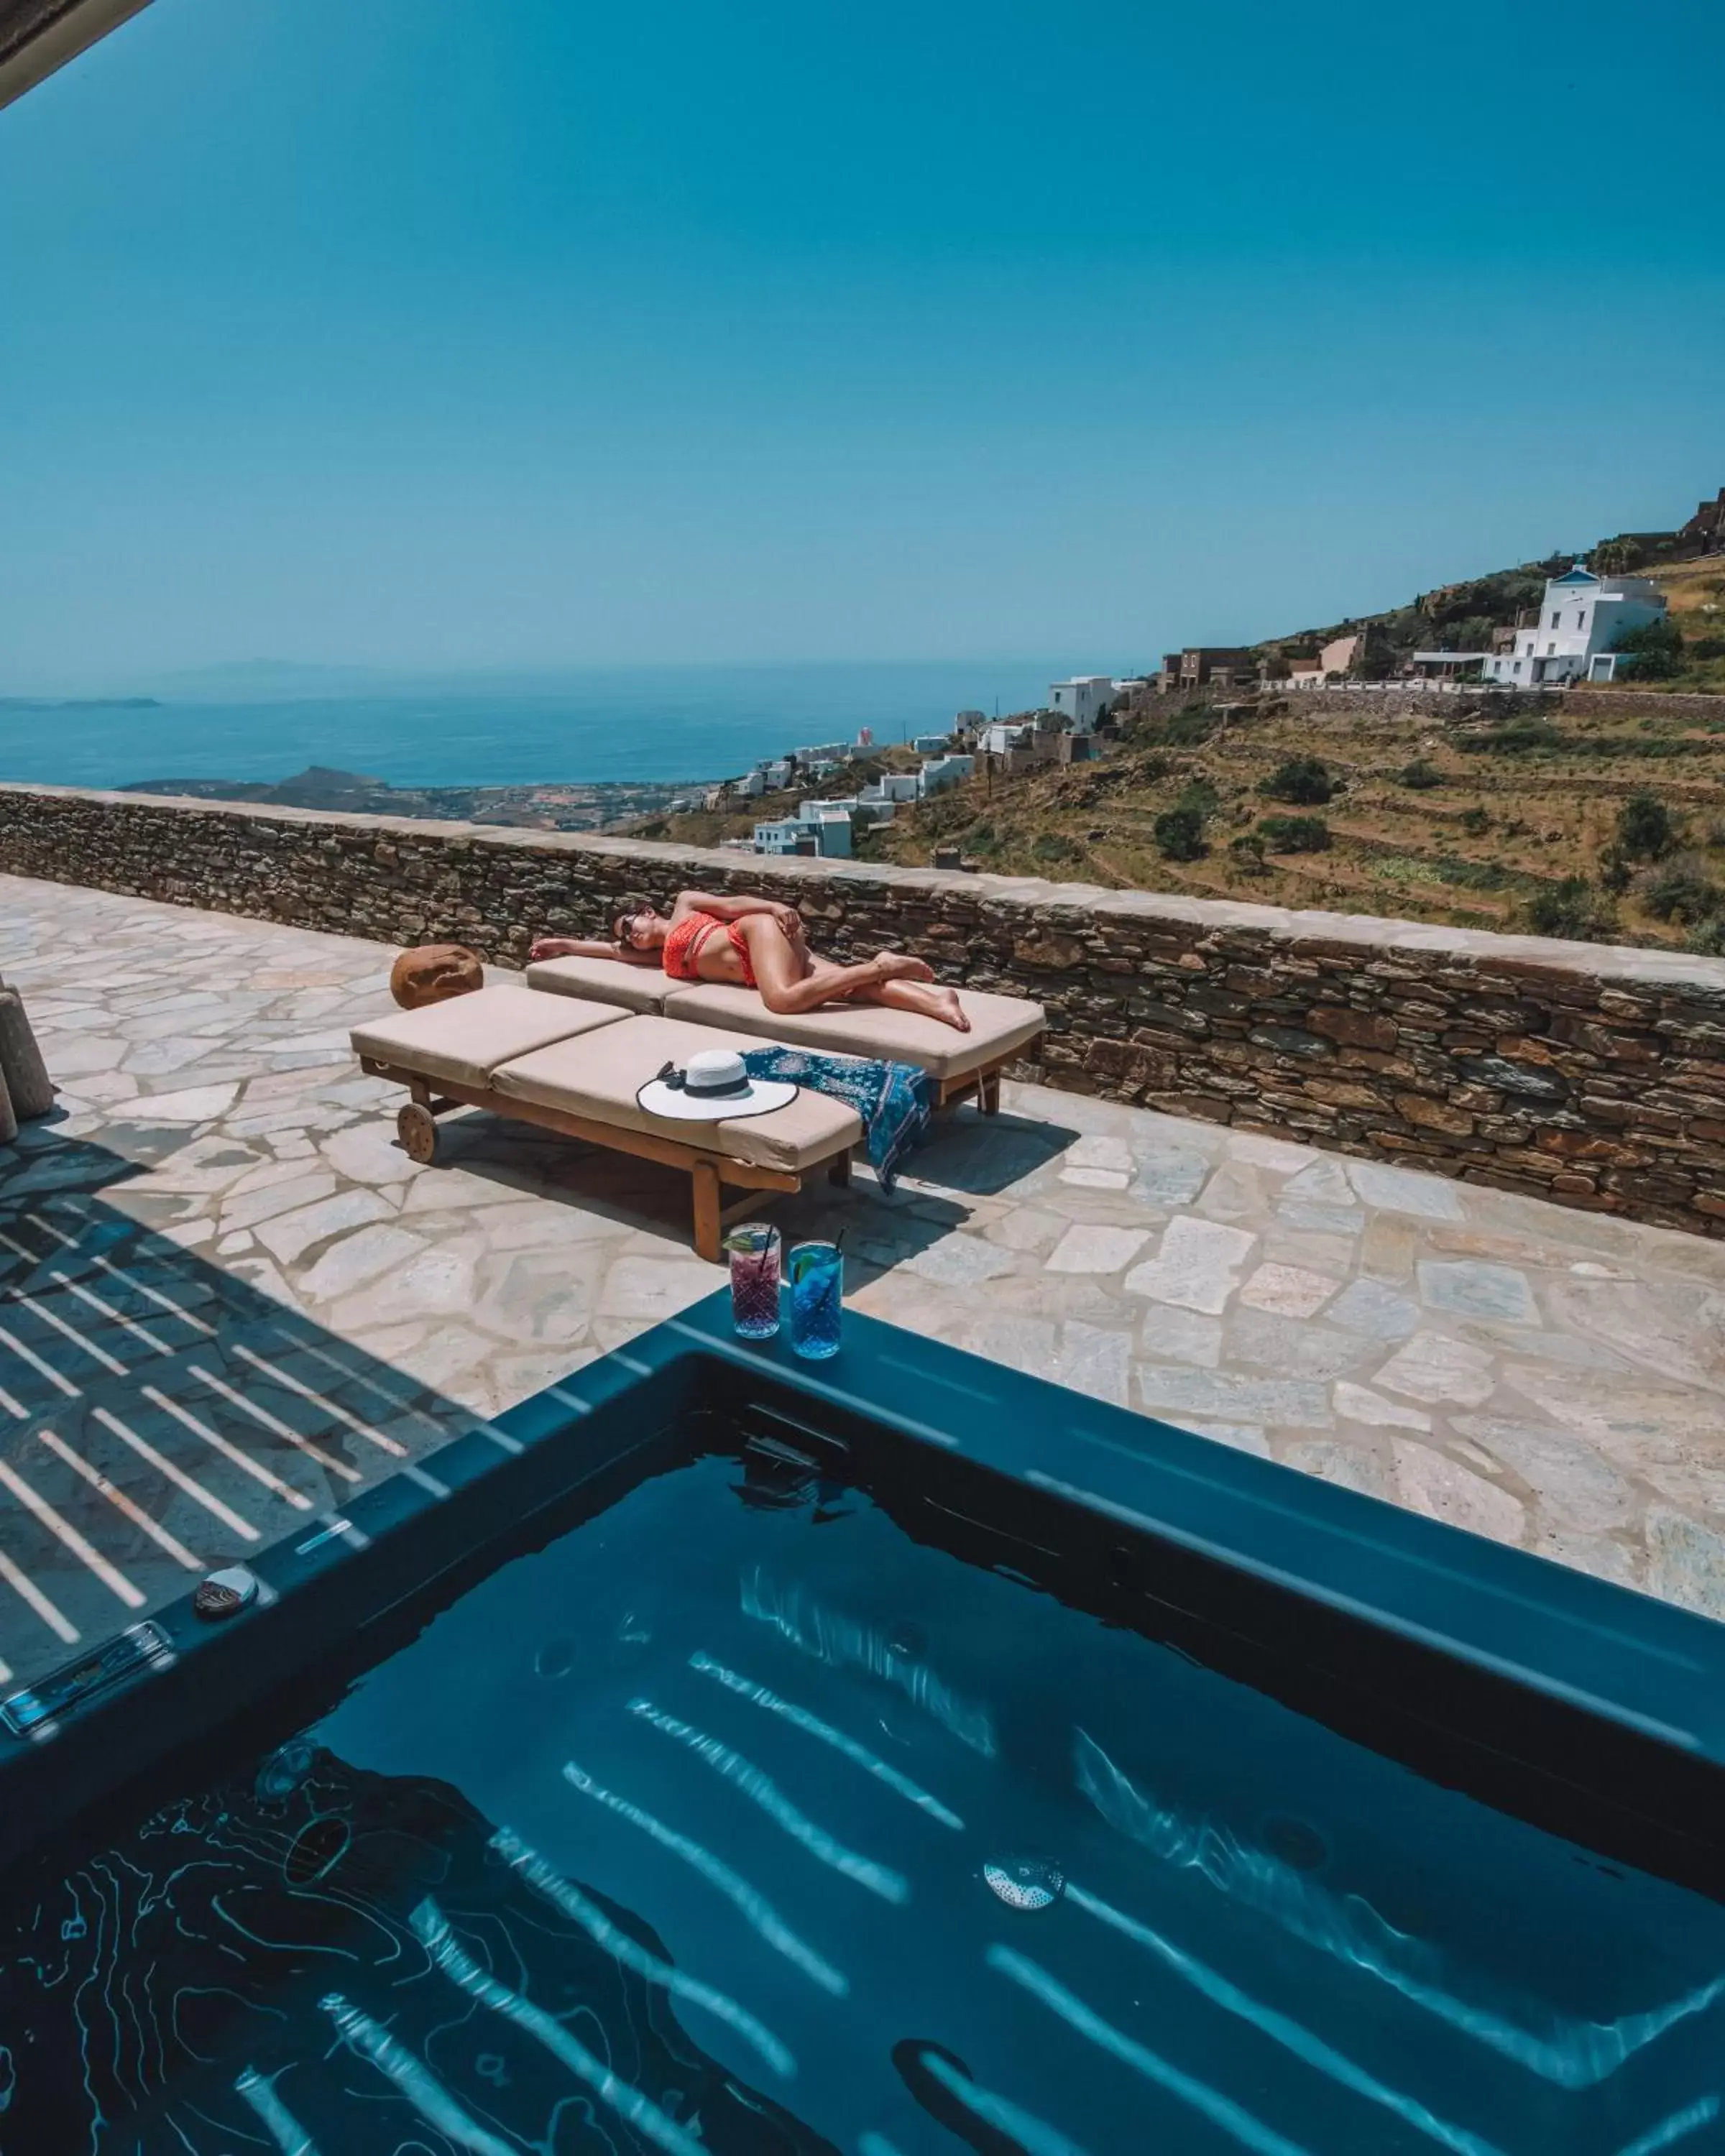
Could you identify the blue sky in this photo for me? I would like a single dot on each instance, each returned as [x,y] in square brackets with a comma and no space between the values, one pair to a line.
[425,333]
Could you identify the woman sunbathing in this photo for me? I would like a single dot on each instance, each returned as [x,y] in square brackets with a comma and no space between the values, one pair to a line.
[757,943]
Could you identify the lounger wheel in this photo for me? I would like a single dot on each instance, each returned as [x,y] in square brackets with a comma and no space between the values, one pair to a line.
[417,1129]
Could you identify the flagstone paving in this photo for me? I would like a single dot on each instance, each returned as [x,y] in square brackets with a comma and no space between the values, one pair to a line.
[1552,1379]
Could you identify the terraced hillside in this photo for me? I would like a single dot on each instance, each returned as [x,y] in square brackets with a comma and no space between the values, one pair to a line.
[1487,812]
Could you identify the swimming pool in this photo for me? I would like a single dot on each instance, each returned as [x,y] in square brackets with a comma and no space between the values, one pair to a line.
[888,1761]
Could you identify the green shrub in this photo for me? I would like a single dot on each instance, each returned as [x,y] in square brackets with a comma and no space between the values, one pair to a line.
[1679,889]
[1571,909]
[1179,835]
[1420,775]
[982,839]
[1304,780]
[1656,649]
[1707,939]
[1051,846]
[1475,821]
[1296,834]
[1514,737]
[1644,827]
[1249,849]
[1615,871]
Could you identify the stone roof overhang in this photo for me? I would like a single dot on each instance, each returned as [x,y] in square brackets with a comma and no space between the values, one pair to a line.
[37,36]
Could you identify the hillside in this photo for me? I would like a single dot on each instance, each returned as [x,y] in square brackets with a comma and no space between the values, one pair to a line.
[1474,812]
[1600,816]
[1461,617]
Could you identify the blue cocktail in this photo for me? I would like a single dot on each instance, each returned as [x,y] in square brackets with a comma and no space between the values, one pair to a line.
[815,1273]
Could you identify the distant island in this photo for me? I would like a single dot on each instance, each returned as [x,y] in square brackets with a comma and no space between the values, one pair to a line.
[570,806]
[80,704]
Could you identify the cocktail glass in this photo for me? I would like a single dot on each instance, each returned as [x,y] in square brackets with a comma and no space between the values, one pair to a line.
[753,1252]
[815,1272]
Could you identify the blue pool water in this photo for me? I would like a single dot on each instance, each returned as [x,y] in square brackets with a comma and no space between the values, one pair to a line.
[736,1820]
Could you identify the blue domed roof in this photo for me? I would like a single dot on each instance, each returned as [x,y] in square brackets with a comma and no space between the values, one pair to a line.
[1577,575]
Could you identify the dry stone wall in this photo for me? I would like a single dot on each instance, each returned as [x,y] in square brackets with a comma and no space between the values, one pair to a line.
[1594,1077]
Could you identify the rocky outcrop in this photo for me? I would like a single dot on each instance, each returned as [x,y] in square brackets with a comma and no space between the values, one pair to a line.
[1591,1075]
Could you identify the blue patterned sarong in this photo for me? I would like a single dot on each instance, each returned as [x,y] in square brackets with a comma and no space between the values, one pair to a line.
[895,1100]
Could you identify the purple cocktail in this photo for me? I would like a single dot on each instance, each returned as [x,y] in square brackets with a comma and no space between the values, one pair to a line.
[753,1252]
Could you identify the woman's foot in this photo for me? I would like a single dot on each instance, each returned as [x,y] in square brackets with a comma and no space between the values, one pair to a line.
[927,998]
[900,966]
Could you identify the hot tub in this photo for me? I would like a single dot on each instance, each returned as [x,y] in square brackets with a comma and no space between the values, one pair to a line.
[907,1757]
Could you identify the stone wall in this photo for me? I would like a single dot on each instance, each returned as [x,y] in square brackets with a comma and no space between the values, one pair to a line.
[1591,1075]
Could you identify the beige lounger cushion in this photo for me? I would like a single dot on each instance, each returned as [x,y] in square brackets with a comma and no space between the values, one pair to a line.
[998,1024]
[462,1042]
[599,1075]
[602,981]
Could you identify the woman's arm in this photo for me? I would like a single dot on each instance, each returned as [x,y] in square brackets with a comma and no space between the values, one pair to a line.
[736,909]
[576,946]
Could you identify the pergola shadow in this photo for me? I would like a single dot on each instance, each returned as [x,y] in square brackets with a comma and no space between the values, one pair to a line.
[159,1415]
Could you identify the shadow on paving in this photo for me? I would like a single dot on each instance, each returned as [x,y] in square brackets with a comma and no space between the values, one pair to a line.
[159,1416]
[966,1156]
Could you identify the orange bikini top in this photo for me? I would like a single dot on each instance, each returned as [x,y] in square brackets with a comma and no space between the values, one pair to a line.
[680,954]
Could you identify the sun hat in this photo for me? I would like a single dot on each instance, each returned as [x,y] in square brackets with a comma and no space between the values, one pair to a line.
[713,1087]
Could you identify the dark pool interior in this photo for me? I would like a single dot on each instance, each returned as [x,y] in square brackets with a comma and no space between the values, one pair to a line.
[735,1817]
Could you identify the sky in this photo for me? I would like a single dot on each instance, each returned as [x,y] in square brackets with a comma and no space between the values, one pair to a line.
[425,335]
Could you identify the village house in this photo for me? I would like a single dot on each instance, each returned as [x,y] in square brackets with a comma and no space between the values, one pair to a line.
[1574,635]
[1083,700]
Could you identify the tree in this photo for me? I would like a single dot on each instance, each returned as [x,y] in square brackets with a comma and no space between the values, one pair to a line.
[1645,829]
[1680,889]
[1656,649]
[1304,780]
[1179,835]
[1296,834]
[1612,557]
[1571,909]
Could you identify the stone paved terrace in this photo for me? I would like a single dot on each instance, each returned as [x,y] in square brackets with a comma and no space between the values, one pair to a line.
[1552,1379]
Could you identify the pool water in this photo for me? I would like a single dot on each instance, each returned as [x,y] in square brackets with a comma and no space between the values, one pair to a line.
[736,1820]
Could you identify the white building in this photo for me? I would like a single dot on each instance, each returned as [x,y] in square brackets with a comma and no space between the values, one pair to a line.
[929,744]
[780,837]
[1082,700]
[751,786]
[941,772]
[828,833]
[1573,637]
[893,786]
[1004,735]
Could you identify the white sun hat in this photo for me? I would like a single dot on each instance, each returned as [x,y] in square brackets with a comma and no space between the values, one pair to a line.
[713,1087]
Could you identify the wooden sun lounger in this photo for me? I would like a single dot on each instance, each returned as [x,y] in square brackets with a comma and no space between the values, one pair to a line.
[574,1067]
[963,1065]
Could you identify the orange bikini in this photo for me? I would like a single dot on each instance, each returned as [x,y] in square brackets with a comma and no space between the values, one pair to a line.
[681,952]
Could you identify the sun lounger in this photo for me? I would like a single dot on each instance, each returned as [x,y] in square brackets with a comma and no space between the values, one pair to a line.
[574,1066]
[961,1063]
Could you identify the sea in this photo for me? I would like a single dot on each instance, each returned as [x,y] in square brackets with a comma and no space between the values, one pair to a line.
[595,725]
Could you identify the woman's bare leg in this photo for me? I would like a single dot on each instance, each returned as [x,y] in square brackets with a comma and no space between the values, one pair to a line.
[927,998]
[791,981]
[785,985]
[915,993]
